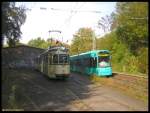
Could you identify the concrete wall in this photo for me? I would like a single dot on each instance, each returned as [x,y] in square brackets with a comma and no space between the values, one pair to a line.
[20,56]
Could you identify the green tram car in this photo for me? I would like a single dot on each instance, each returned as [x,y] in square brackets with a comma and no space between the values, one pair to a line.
[54,62]
[93,62]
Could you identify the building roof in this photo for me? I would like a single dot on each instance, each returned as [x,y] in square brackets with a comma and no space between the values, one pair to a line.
[22,46]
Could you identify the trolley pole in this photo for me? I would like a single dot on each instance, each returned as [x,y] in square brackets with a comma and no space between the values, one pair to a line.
[50,38]
[82,11]
[54,31]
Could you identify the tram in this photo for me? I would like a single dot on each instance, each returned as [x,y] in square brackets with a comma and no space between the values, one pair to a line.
[93,62]
[54,62]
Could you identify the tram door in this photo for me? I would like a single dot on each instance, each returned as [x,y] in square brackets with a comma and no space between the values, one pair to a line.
[51,66]
[42,62]
[45,63]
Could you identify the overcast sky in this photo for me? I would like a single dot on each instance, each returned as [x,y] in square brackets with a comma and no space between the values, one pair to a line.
[39,22]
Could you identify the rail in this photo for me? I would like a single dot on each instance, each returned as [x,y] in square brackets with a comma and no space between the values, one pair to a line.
[140,76]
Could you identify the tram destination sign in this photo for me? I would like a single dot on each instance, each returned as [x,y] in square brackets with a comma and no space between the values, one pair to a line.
[103,54]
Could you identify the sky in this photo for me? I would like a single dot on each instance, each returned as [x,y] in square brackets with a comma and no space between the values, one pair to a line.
[67,17]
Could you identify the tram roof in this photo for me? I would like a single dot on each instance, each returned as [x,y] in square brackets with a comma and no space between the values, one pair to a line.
[90,52]
[55,48]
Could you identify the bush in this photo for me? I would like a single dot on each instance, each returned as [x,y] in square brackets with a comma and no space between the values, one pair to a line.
[143,60]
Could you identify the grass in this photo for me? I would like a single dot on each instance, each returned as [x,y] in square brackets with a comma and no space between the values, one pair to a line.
[119,69]
[127,89]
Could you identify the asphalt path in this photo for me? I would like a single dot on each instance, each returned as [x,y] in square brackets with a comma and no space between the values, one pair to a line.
[77,93]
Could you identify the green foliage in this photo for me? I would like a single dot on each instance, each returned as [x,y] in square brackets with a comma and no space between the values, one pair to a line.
[132,24]
[143,60]
[12,19]
[82,41]
[129,39]
[107,41]
[39,43]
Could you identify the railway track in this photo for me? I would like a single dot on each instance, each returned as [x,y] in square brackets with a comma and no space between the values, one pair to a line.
[131,79]
[130,75]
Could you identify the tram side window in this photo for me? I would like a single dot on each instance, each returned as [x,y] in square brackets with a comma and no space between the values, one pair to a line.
[72,63]
[93,62]
[46,59]
[87,62]
[41,60]
[75,62]
[55,59]
[38,60]
[50,59]
[78,62]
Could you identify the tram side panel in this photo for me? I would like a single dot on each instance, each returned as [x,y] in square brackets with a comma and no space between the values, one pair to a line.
[51,71]
[62,70]
[91,63]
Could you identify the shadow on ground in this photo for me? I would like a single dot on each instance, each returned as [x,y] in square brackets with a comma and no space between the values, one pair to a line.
[26,89]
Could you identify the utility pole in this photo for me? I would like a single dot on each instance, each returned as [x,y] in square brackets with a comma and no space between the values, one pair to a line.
[94,41]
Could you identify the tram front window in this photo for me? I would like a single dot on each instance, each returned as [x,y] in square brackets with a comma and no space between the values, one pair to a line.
[63,58]
[104,61]
[60,59]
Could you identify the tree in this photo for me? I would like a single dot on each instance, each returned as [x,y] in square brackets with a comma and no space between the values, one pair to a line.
[82,41]
[39,43]
[132,24]
[107,41]
[128,38]
[12,19]
[106,22]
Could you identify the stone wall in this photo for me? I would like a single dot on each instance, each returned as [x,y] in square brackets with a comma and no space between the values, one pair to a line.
[20,56]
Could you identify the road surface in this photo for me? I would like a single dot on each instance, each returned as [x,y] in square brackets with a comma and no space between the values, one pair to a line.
[78,93]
